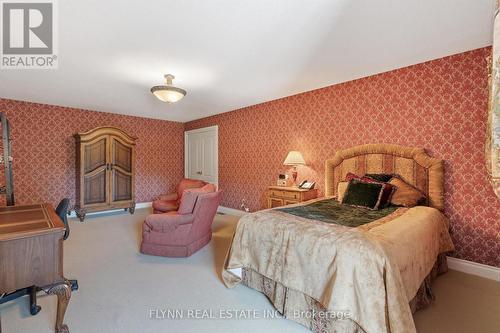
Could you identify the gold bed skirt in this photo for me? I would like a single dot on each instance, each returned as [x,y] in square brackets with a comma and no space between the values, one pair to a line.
[294,305]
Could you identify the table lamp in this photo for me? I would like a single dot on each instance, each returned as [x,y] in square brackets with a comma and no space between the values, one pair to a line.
[294,158]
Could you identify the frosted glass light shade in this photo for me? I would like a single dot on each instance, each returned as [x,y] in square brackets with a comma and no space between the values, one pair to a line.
[294,158]
[168,94]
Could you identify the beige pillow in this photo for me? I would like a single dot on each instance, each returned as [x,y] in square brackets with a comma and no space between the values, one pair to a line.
[341,188]
[405,194]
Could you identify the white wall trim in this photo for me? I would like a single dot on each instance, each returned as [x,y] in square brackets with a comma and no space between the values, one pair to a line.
[230,211]
[221,209]
[474,268]
[138,205]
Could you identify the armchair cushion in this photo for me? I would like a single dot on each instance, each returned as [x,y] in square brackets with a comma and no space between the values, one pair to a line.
[168,197]
[189,197]
[188,201]
[170,202]
[165,205]
[187,183]
[167,222]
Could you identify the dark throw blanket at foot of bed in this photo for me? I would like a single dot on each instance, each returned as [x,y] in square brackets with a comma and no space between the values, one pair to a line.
[331,211]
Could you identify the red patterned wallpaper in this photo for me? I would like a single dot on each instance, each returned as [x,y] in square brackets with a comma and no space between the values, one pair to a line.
[439,105]
[44,150]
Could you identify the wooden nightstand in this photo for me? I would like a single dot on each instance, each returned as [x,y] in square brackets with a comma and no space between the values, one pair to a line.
[281,195]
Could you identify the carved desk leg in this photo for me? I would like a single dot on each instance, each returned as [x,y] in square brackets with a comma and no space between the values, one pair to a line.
[63,292]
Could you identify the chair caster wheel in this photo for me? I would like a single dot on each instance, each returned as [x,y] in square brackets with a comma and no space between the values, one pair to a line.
[74,284]
[35,309]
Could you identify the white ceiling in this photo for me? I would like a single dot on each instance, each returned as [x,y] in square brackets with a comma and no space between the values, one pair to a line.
[228,54]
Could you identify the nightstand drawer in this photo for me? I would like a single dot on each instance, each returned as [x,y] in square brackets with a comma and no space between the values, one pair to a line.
[291,195]
[284,194]
[276,194]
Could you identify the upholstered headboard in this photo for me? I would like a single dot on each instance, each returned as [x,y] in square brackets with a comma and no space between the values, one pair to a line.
[411,164]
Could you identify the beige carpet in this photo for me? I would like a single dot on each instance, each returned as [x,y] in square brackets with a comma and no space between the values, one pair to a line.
[119,287]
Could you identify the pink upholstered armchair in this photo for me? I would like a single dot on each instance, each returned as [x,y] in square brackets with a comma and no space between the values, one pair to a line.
[170,202]
[183,232]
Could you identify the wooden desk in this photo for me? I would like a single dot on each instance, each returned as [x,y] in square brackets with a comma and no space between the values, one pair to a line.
[31,248]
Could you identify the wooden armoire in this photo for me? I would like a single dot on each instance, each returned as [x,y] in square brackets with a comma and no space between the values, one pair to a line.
[105,171]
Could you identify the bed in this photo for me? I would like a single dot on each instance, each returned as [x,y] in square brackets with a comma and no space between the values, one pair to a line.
[336,277]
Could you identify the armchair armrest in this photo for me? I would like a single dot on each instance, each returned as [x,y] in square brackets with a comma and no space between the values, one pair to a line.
[168,197]
[168,222]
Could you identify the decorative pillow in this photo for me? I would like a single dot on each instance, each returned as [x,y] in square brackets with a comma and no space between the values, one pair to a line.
[208,188]
[341,188]
[406,195]
[188,200]
[381,177]
[389,190]
[350,176]
[189,197]
[363,194]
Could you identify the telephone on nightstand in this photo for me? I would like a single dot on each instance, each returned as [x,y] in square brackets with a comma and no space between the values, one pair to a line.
[307,185]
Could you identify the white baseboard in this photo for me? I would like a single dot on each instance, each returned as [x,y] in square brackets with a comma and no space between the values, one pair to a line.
[469,267]
[138,205]
[221,209]
[230,211]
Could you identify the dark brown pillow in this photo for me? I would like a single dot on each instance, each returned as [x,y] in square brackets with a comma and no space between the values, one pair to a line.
[405,195]
[363,194]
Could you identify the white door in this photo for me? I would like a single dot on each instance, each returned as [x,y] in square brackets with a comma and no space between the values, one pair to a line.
[201,154]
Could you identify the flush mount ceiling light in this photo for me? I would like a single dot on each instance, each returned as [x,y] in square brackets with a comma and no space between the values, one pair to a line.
[168,93]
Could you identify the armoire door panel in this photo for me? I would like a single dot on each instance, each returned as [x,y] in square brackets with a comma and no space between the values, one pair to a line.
[122,186]
[121,167]
[95,188]
[121,155]
[95,155]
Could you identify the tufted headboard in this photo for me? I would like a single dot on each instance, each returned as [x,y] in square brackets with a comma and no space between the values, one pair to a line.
[411,164]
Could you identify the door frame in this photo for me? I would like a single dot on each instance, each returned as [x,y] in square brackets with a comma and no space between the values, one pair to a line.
[215,130]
